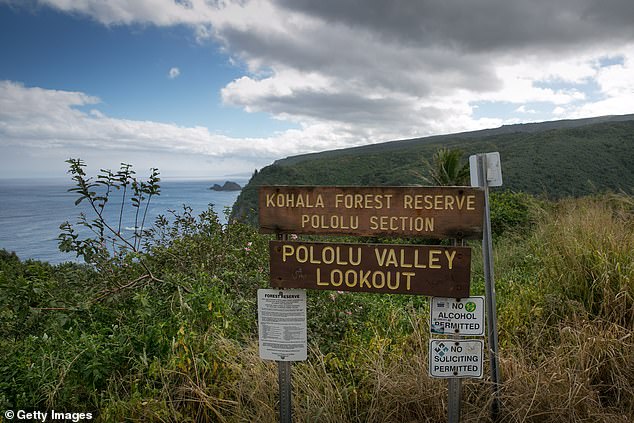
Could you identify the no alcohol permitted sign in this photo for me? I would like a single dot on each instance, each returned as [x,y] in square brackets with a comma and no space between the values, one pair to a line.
[457,316]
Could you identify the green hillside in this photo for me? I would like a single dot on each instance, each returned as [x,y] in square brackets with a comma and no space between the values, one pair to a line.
[555,159]
[161,325]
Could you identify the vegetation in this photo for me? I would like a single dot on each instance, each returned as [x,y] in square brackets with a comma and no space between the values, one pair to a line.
[447,168]
[551,159]
[182,345]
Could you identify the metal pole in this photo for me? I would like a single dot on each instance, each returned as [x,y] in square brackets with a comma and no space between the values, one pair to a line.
[455,391]
[284,379]
[455,396]
[454,386]
[489,286]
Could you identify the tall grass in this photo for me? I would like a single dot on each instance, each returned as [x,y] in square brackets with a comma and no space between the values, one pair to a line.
[566,316]
[566,321]
[572,356]
[586,251]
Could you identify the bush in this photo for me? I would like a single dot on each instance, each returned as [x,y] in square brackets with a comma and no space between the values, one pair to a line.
[182,346]
[514,211]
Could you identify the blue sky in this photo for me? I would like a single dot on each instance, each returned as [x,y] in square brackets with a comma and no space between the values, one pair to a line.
[208,89]
[128,67]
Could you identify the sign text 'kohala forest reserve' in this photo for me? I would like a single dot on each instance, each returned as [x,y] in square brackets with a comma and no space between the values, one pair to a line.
[429,212]
[380,268]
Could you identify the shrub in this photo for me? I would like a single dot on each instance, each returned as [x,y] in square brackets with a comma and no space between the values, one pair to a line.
[515,211]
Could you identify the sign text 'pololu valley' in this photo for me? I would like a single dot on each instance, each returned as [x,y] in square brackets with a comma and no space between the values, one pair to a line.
[379,268]
[431,212]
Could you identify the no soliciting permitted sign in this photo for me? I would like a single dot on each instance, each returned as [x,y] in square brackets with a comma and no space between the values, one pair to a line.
[455,358]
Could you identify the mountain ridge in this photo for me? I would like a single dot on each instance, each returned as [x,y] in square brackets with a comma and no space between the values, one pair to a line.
[571,157]
[530,127]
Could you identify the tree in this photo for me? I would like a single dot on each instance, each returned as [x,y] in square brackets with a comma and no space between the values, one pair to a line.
[104,243]
[447,168]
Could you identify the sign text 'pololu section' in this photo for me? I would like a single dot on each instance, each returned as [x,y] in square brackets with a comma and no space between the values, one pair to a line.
[431,212]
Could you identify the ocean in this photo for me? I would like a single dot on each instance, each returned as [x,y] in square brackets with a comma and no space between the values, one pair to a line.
[31,211]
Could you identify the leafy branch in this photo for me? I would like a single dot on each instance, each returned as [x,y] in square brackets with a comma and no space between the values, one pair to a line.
[108,242]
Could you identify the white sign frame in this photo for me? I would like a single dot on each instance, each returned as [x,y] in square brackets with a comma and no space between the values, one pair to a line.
[282,326]
[493,170]
[456,358]
[457,316]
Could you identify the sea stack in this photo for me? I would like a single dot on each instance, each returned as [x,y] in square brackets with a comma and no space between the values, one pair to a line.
[228,186]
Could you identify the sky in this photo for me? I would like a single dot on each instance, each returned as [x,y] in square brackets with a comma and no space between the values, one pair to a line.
[211,88]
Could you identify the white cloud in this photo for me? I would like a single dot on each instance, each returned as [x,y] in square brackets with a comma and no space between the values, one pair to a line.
[352,76]
[125,12]
[51,118]
[37,119]
[385,79]
[174,73]
[615,85]
[523,109]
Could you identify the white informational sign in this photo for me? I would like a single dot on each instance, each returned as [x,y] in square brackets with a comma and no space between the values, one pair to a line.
[456,358]
[282,324]
[457,316]
[493,170]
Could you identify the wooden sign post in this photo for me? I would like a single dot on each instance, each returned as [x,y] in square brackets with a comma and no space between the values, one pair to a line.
[429,212]
[379,268]
[424,212]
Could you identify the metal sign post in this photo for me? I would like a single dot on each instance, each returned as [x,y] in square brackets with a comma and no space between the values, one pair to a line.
[454,397]
[454,385]
[284,379]
[484,176]
[456,358]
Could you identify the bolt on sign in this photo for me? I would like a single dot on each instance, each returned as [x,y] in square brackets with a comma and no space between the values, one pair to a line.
[460,358]
[430,212]
[379,268]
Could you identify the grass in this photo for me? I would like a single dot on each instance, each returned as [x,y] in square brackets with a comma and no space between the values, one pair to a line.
[186,350]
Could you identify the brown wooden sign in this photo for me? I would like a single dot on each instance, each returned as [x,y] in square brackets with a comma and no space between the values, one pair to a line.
[429,212]
[381,268]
